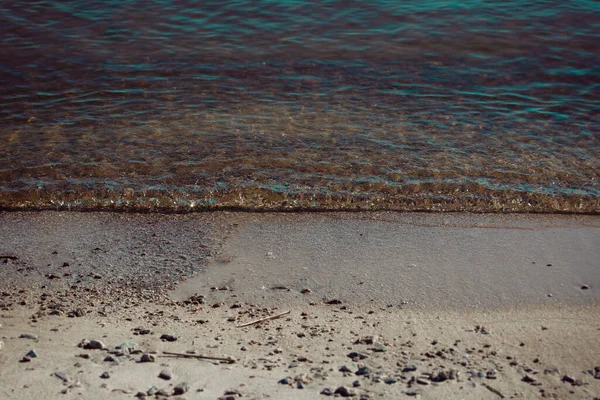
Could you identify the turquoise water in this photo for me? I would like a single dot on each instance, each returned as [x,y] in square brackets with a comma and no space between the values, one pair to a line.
[269,105]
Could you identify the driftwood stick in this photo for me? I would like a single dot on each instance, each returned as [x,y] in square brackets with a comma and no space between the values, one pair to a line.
[184,355]
[493,390]
[270,317]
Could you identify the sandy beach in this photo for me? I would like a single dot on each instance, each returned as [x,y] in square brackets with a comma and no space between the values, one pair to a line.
[362,305]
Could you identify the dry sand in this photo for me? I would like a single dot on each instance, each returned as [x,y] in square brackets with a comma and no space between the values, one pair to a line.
[461,299]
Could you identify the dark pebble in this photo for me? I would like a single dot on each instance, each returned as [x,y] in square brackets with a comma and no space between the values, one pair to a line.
[285,381]
[568,379]
[327,392]
[357,356]
[166,375]
[146,357]
[363,371]
[348,368]
[181,389]
[345,392]
[94,345]
[169,337]
[28,336]
[409,368]
[105,375]
[585,287]
[441,377]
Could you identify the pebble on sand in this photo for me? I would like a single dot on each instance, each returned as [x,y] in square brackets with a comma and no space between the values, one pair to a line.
[93,345]
[345,392]
[169,337]
[181,388]
[166,375]
[147,357]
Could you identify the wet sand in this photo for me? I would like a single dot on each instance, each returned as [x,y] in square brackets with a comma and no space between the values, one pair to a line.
[483,306]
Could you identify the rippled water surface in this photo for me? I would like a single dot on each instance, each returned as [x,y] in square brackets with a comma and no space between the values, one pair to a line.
[407,105]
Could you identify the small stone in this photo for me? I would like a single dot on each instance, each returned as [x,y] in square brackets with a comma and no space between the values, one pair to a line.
[422,382]
[169,337]
[412,393]
[366,340]
[379,348]
[333,302]
[109,358]
[355,356]
[152,391]
[585,287]
[105,375]
[306,291]
[84,355]
[94,345]
[389,381]
[409,368]
[25,359]
[285,381]
[348,368]
[356,383]
[166,375]
[28,336]
[528,379]
[299,385]
[491,374]
[181,388]
[62,376]
[327,392]
[140,395]
[440,377]
[568,379]
[345,392]
[31,354]
[147,357]
[363,371]
[78,312]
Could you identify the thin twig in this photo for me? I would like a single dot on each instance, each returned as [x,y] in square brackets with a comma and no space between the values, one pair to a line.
[493,390]
[184,355]
[270,317]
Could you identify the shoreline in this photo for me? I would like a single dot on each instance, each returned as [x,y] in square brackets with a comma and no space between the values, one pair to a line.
[455,296]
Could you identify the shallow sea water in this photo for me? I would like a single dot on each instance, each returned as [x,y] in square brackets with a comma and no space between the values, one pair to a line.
[278,105]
